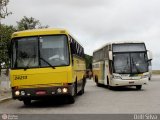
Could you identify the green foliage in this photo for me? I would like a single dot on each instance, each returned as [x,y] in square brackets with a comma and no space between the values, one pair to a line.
[5,33]
[155,71]
[88,60]
[3,9]
[29,23]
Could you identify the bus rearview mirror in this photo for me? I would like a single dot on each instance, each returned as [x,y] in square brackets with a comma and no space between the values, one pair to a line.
[149,54]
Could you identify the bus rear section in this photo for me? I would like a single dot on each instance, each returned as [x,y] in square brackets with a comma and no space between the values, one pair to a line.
[41,66]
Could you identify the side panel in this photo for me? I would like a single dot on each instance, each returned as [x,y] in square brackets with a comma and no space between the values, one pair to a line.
[98,71]
[79,68]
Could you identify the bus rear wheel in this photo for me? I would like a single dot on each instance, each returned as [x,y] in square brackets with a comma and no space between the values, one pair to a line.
[139,87]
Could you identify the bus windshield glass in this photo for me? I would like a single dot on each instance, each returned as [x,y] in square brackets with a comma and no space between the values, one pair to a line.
[128,63]
[43,51]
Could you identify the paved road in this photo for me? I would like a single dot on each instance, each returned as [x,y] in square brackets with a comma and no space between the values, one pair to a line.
[96,100]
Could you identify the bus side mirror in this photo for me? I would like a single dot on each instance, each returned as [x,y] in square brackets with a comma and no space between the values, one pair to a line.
[149,54]
[110,55]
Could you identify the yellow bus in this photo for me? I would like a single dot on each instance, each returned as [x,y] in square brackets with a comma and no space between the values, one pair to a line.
[122,64]
[46,63]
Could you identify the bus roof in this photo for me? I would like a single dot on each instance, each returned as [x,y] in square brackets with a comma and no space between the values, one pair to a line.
[34,32]
[118,42]
[46,31]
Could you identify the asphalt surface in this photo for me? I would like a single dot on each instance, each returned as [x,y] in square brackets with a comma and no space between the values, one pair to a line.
[96,100]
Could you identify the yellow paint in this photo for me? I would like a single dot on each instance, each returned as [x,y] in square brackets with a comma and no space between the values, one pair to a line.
[98,71]
[43,77]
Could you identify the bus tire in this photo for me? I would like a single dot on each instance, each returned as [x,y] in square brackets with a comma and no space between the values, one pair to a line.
[27,102]
[81,92]
[71,99]
[98,85]
[108,85]
[138,87]
[149,78]
[96,80]
[75,88]
[83,85]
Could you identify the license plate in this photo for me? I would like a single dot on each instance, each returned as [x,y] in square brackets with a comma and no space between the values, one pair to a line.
[40,92]
[131,82]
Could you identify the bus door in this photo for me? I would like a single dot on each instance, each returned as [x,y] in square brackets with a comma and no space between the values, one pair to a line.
[106,71]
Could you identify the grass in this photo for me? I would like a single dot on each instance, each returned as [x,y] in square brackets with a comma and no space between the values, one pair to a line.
[155,71]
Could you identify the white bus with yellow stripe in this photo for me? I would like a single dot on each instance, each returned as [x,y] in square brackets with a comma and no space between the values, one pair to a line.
[122,64]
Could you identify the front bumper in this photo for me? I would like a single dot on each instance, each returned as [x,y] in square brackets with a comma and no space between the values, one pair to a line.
[43,92]
[130,82]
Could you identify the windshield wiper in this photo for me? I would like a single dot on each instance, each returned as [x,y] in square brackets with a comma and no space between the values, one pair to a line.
[47,62]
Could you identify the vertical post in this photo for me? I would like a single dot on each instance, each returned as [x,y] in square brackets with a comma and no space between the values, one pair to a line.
[0,31]
[0,42]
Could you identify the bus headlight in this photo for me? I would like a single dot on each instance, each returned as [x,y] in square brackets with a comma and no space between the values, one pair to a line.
[22,93]
[65,90]
[17,93]
[59,90]
[144,76]
[116,77]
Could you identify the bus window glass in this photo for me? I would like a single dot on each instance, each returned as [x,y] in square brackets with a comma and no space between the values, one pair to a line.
[54,49]
[127,63]
[139,62]
[25,52]
[121,63]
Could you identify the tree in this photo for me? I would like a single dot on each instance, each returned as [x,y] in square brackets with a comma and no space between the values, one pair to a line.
[3,13]
[88,60]
[3,9]
[6,32]
[29,23]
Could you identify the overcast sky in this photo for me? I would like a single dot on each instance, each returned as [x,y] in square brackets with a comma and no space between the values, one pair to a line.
[96,22]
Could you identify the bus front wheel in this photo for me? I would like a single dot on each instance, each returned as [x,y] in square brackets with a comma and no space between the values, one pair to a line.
[108,85]
[138,87]
[96,80]
[27,102]
[82,89]
[71,99]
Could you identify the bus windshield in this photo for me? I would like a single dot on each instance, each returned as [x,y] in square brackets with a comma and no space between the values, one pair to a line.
[43,51]
[128,63]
